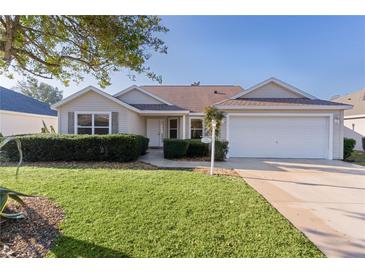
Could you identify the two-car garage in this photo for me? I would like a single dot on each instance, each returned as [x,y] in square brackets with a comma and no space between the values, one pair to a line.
[276,120]
[280,136]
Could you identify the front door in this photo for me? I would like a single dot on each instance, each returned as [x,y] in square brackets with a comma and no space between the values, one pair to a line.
[155,132]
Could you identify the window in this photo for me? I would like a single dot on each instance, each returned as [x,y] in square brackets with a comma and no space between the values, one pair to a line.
[196,128]
[173,128]
[93,123]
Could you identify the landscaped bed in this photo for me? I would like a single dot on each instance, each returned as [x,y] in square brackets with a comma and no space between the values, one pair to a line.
[34,235]
[357,157]
[158,213]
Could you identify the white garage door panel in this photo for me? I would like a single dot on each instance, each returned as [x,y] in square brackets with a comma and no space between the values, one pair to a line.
[278,137]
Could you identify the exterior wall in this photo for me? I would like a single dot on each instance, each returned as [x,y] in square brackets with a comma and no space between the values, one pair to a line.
[137,97]
[12,123]
[136,124]
[181,135]
[337,126]
[223,129]
[355,129]
[271,90]
[128,120]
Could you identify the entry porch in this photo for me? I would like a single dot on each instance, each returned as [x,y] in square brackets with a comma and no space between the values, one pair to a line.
[173,126]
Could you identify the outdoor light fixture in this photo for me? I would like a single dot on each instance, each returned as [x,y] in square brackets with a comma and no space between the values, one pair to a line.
[337,120]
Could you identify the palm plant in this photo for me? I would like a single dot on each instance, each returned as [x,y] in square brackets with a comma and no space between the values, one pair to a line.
[212,113]
[7,194]
[45,129]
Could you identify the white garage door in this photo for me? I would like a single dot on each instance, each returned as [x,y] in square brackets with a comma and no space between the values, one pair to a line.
[278,137]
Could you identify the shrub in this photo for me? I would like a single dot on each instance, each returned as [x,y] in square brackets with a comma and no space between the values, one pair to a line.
[175,148]
[221,150]
[51,147]
[363,143]
[348,147]
[142,143]
[197,149]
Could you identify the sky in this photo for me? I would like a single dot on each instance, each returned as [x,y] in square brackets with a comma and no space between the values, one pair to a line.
[322,55]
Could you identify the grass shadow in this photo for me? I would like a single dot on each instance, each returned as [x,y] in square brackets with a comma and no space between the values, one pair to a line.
[68,247]
[136,165]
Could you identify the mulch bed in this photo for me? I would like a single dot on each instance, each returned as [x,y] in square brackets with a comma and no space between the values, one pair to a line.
[218,171]
[34,235]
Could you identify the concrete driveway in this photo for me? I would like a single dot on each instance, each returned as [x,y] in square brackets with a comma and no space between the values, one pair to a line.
[322,198]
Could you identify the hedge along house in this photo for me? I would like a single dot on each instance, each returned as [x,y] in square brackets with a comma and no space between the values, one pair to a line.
[270,120]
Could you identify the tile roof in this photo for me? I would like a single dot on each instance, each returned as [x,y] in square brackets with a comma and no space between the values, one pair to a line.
[11,100]
[194,98]
[163,107]
[357,99]
[277,102]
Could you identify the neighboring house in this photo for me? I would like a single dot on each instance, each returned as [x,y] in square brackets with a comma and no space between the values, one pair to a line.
[354,118]
[20,114]
[271,120]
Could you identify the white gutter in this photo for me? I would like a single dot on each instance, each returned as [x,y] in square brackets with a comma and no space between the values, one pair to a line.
[314,107]
[28,114]
[148,112]
[355,116]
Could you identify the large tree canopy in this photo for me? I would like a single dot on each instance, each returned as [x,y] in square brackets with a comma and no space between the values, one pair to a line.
[40,91]
[66,47]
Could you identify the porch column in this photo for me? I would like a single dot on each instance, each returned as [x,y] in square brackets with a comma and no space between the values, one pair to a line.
[184,126]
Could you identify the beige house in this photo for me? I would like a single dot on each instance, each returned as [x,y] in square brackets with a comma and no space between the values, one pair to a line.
[20,114]
[354,120]
[272,119]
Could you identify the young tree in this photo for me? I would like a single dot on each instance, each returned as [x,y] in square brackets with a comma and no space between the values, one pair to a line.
[212,113]
[66,47]
[40,91]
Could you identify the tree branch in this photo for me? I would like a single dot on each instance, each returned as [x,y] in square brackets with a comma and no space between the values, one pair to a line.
[35,58]
[23,67]
[2,21]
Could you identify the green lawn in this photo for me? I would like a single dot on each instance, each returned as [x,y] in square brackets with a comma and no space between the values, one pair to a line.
[160,213]
[357,157]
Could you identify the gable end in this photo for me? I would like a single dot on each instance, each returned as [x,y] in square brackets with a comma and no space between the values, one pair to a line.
[273,88]
[137,95]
